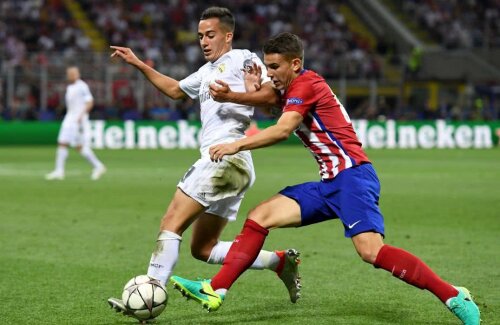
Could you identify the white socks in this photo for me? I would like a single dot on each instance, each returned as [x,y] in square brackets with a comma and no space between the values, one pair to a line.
[88,154]
[61,155]
[165,256]
[265,259]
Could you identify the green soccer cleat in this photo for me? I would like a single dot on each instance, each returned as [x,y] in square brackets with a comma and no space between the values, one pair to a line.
[200,291]
[464,307]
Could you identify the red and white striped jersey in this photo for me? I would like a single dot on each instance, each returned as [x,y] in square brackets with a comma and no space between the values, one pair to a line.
[326,129]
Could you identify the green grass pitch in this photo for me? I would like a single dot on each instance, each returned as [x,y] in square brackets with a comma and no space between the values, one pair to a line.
[65,247]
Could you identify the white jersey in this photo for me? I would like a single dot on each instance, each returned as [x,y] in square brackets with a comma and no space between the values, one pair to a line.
[222,122]
[77,96]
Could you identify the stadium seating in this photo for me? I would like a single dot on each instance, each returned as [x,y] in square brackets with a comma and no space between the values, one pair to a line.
[456,24]
[45,36]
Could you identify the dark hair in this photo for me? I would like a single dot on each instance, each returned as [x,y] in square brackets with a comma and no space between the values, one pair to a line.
[287,44]
[225,16]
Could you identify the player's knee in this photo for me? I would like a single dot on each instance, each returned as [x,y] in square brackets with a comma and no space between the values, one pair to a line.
[368,245]
[259,215]
[368,253]
[368,256]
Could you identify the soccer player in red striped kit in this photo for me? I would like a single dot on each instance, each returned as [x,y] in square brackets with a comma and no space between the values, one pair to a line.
[349,188]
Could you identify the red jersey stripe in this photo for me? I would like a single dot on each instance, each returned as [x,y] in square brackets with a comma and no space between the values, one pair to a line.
[326,129]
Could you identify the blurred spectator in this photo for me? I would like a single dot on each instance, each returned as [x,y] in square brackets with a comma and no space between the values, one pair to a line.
[457,24]
[165,32]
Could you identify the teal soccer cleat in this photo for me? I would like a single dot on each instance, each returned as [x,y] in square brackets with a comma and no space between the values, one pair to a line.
[464,307]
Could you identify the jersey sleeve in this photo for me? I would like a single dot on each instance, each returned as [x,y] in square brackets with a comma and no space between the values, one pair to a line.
[191,84]
[87,95]
[301,98]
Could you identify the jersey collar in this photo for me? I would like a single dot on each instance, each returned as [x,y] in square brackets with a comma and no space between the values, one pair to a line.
[221,57]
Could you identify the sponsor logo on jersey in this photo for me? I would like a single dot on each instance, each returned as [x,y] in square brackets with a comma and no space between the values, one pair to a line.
[294,101]
[221,67]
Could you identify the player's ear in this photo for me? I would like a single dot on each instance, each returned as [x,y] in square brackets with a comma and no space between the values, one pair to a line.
[229,37]
[296,64]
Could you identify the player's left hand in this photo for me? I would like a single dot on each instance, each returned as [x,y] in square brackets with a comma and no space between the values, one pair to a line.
[252,75]
[220,91]
[220,150]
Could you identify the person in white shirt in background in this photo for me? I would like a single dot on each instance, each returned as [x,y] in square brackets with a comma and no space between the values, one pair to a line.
[79,103]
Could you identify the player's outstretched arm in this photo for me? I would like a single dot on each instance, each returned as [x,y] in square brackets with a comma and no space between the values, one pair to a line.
[287,123]
[265,97]
[165,84]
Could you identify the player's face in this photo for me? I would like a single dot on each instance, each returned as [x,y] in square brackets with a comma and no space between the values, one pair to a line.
[281,70]
[215,40]
[72,75]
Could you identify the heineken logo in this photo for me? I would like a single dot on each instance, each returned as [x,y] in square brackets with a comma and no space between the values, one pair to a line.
[427,135]
[130,136]
[388,134]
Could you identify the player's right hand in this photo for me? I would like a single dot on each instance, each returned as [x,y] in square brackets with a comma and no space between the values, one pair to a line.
[126,54]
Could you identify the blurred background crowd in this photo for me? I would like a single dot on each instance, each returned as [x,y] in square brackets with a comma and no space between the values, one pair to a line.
[377,74]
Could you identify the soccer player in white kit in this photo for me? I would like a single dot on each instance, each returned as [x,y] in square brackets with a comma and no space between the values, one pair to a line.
[209,195]
[79,102]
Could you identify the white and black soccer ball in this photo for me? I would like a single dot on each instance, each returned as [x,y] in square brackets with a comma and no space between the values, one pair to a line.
[144,297]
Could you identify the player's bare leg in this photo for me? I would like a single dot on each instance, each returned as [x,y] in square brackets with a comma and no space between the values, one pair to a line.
[206,231]
[368,245]
[61,156]
[279,211]
[410,269]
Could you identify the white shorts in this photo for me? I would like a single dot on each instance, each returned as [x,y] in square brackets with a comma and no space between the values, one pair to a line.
[74,135]
[220,186]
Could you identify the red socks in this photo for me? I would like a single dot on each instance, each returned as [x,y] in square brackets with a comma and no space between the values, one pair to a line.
[243,252]
[400,263]
[412,270]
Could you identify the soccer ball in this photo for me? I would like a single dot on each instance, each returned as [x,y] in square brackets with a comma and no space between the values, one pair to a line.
[144,297]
